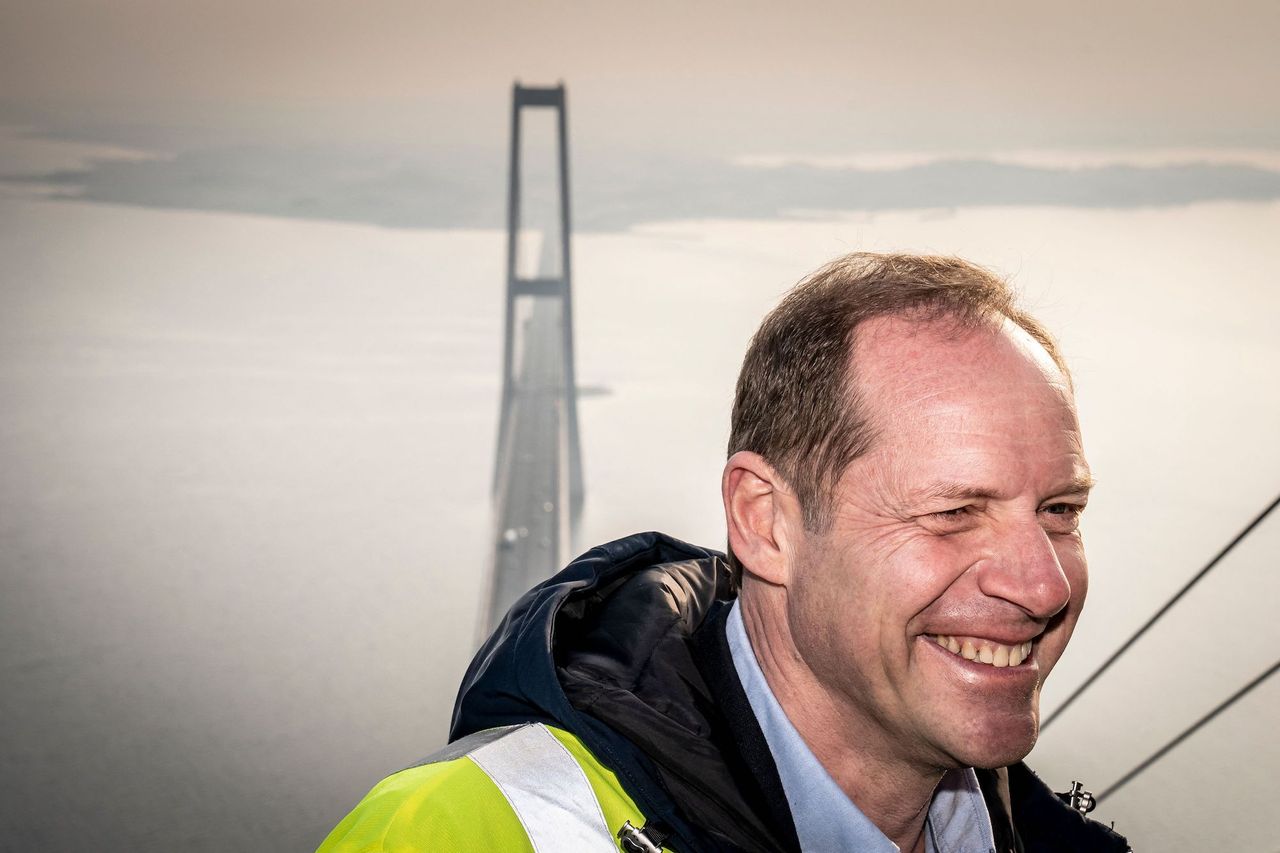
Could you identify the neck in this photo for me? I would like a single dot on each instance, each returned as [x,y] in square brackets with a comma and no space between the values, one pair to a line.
[893,792]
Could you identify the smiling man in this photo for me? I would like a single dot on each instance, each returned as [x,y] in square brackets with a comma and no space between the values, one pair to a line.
[863,671]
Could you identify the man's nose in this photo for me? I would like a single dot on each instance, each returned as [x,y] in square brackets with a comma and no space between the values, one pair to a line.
[1026,572]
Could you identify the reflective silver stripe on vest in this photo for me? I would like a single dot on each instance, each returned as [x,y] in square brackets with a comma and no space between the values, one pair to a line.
[547,790]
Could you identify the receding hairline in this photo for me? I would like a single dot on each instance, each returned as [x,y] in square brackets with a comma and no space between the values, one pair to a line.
[940,320]
[950,326]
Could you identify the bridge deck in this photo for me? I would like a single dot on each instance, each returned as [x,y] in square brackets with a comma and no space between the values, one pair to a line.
[532,500]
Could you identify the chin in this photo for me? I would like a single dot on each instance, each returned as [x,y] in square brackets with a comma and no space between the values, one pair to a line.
[991,756]
[999,742]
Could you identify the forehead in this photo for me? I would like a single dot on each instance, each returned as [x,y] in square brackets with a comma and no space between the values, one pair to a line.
[934,380]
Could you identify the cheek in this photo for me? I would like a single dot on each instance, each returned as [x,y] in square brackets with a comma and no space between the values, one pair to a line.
[821,602]
[1079,588]
[1076,569]
[833,616]
[929,567]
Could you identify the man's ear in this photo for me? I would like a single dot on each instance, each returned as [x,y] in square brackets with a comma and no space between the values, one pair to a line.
[757,509]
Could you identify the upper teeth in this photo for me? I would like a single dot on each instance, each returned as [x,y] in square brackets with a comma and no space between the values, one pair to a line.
[985,651]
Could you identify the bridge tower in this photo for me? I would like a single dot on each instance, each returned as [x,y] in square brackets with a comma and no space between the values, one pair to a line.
[537,484]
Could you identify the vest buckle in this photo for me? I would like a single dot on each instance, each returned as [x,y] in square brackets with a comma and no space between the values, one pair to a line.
[637,841]
[1079,799]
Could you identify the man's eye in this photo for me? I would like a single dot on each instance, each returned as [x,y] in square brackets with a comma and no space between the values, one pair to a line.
[1065,517]
[947,521]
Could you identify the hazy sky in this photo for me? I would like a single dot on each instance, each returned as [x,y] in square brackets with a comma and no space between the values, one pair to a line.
[738,77]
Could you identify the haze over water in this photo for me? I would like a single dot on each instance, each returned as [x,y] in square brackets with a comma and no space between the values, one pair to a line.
[250,343]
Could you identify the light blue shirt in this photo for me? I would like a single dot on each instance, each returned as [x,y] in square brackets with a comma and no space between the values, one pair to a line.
[825,818]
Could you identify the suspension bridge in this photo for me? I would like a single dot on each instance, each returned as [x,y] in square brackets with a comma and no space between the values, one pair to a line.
[537,483]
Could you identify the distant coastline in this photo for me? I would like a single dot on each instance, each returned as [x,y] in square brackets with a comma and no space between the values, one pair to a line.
[465,189]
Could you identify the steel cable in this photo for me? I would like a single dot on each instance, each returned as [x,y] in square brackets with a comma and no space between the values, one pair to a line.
[1158,614]
[1188,732]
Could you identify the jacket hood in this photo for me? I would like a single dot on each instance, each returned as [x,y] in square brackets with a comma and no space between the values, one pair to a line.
[513,677]
[606,649]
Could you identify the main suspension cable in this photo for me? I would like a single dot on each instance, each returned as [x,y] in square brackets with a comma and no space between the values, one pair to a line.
[1164,750]
[1159,613]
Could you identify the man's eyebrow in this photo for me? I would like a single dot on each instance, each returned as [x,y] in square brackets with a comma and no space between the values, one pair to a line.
[954,491]
[1080,484]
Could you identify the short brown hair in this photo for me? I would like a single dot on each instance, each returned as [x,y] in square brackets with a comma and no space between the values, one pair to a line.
[796,404]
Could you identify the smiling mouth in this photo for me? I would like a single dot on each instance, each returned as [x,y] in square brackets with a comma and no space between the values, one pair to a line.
[984,651]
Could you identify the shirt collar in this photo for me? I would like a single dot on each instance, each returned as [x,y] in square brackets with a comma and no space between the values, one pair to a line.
[825,818]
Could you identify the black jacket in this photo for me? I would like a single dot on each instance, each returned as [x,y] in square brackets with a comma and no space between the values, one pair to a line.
[626,649]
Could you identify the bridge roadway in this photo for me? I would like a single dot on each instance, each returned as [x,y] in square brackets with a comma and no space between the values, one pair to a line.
[532,524]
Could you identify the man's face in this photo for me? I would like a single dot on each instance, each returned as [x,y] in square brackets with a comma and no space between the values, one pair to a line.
[952,574]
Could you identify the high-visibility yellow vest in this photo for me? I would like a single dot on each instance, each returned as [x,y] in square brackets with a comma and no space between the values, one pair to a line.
[529,788]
